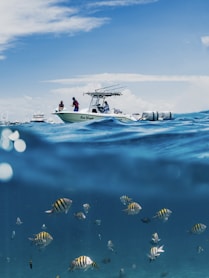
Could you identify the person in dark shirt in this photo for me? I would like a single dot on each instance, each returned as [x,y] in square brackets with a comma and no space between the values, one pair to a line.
[75,104]
[61,105]
[106,107]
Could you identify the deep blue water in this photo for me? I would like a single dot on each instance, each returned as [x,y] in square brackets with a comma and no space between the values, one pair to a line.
[157,164]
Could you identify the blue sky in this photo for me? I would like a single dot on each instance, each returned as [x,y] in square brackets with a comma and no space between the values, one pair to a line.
[158,50]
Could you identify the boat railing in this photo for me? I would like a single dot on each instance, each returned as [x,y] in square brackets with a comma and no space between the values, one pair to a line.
[117,111]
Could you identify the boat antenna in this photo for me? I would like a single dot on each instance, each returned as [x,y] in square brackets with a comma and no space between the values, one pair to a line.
[107,87]
[112,88]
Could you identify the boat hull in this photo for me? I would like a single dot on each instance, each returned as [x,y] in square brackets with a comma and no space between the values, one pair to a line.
[38,121]
[38,118]
[73,117]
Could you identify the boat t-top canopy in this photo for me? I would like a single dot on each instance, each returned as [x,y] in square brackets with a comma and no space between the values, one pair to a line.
[106,92]
[103,94]
[99,95]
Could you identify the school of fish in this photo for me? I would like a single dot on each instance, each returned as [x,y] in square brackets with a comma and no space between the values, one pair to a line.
[43,238]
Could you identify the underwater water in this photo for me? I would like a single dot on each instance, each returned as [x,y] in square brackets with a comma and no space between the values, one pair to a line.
[158,165]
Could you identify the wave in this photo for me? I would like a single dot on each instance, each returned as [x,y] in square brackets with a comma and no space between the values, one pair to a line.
[151,153]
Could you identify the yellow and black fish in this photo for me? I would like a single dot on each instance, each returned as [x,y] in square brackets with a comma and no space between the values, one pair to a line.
[60,205]
[163,214]
[198,229]
[42,239]
[133,208]
[82,262]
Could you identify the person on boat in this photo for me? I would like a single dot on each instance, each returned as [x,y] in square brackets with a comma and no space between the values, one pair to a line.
[75,104]
[106,107]
[61,105]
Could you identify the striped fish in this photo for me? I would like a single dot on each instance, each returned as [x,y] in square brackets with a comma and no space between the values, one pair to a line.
[125,200]
[133,208]
[41,239]
[155,252]
[198,229]
[163,214]
[60,205]
[80,215]
[82,262]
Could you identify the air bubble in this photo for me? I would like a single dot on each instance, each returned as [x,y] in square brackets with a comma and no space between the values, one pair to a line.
[14,135]
[6,171]
[20,145]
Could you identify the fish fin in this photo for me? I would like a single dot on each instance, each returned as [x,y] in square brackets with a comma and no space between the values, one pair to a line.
[32,242]
[151,258]
[165,219]
[48,211]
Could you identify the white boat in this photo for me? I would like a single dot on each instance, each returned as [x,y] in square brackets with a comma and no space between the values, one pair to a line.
[38,118]
[95,111]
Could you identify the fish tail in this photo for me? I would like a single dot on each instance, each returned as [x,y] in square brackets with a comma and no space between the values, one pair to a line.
[160,249]
[95,265]
[71,268]
[32,242]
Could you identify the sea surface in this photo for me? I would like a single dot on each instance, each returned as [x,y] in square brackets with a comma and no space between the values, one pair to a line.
[158,165]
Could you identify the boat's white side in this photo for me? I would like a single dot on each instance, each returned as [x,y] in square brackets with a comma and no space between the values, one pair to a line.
[38,118]
[73,117]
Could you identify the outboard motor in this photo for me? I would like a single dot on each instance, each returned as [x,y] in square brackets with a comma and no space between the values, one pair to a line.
[164,115]
[149,116]
[156,116]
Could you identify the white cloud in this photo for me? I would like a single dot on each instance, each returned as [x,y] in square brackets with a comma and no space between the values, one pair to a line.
[21,18]
[205,41]
[117,3]
[22,107]
[130,78]
[27,17]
